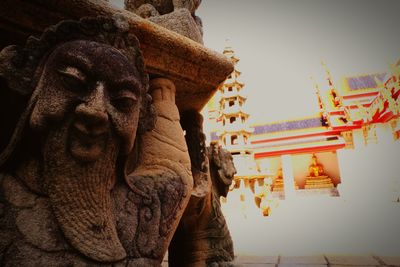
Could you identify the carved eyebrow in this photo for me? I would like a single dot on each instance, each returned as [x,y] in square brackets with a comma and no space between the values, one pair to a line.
[72,71]
[78,60]
[129,83]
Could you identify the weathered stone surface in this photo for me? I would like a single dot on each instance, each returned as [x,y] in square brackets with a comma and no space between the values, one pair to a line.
[175,15]
[391,261]
[16,194]
[162,7]
[39,227]
[195,70]
[88,110]
[182,22]
[203,238]
[221,168]
[91,185]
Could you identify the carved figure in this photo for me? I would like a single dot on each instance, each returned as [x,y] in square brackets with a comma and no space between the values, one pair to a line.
[202,237]
[163,6]
[175,15]
[66,198]
[222,169]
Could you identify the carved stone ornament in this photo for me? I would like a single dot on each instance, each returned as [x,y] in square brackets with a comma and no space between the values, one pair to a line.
[175,15]
[66,198]
[202,237]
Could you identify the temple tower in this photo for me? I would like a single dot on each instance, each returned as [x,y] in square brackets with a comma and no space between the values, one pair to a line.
[233,118]
[234,132]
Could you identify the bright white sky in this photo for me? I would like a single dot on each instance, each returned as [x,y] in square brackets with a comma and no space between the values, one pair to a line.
[281,43]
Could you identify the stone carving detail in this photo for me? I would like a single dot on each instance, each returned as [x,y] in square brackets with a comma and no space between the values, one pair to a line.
[69,196]
[175,15]
[203,238]
[222,169]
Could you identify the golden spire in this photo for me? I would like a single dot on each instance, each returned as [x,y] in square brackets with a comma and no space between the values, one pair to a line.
[318,92]
[324,114]
[328,75]
[335,97]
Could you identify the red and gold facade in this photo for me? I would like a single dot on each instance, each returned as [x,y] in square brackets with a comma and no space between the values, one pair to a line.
[357,112]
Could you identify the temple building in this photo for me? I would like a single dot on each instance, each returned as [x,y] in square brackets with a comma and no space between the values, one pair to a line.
[325,154]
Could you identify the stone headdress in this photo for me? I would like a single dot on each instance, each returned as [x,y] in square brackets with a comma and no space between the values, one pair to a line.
[21,67]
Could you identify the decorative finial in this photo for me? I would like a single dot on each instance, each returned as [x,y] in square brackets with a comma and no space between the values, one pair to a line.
[316,86]
[227,42]
[318,92]
[328,74]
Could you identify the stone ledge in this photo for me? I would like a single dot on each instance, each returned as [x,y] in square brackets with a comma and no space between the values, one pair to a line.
[196,70]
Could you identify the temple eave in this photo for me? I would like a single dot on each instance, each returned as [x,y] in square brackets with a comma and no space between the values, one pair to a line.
[301,149]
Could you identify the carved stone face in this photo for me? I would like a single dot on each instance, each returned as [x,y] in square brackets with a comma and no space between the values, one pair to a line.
[96,86]
[87,111]
[225,169]
[227,172]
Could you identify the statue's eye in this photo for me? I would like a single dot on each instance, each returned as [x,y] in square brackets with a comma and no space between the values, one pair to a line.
[73,78]
[124,101]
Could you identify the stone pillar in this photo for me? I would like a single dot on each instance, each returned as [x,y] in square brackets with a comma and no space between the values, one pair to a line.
[384,134]
[358,139]
[288,179]
[228,140]
[241,140]
[348,138]
[347,181]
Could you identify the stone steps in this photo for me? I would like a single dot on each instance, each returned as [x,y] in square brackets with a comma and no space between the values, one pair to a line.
[314,261]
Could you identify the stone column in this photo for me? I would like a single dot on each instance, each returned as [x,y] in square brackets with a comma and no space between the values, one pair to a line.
[288,179]
[358,139]
[241,140]
[384,134]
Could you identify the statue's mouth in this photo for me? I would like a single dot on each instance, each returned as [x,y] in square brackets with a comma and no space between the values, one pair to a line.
[87,146]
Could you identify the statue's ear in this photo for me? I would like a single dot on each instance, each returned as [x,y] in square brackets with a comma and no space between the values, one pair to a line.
[17,68]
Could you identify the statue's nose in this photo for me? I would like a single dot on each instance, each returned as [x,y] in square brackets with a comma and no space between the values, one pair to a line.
[92,113]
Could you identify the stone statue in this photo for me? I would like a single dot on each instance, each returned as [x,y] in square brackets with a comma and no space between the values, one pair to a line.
[202,237]
[222,169]
[85,180]
[175,15]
